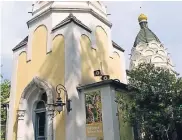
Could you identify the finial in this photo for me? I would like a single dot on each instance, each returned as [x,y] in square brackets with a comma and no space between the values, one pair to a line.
[142,17]
[32,9]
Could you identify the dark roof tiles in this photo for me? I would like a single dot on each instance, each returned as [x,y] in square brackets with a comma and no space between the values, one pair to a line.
[69,19]
[145,35]
[21,44]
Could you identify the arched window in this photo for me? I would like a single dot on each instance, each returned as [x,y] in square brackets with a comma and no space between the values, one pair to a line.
[40,119]
[44,97]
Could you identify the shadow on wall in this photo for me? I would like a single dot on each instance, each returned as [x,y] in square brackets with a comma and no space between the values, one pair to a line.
[27,70]
[51,67]
[95,58]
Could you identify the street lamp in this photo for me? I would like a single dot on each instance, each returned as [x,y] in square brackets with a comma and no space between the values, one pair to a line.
[59,104]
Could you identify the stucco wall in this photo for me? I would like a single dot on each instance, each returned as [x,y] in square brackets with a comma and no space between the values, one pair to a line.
[98,58]
[66,56]
[49,67]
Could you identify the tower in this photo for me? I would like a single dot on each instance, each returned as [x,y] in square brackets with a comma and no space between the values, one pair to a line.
[66,42]
[147,48]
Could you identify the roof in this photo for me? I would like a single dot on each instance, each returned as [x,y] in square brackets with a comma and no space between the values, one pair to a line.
[69,19]
[117,84]
[25,41]
[115,45]
[21,44]
[145,35]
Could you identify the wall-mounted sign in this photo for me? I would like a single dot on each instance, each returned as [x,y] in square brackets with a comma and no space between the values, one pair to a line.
[94,127]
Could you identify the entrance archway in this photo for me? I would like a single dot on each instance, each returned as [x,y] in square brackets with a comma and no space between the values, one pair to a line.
[31,97]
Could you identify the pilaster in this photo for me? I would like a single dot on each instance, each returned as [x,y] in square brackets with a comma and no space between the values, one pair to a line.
[21,124]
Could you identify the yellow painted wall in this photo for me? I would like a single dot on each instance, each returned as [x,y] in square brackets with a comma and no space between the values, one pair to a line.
[49,67]
[116,66]
[102,49]
[52,70]
[39,44]
[89,61]
[21,84]
[92,59]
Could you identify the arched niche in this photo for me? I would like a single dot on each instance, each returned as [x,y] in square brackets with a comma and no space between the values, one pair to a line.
[116,66]
[161,52]
[148,53]
[53,67]
[20,84]
[39,47]
[140,47]
[22,72]
[102,49]
[157,59]
[153,45]
[89,60]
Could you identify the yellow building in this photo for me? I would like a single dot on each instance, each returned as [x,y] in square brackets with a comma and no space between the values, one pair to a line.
[66,43]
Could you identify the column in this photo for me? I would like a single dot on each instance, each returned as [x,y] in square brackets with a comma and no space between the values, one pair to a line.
[109,110]
[50,119]
[20,129]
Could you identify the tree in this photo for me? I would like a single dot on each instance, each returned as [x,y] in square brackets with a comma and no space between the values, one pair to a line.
[155,101]
[5,92]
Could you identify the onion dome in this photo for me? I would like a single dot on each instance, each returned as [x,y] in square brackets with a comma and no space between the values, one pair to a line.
[145,35]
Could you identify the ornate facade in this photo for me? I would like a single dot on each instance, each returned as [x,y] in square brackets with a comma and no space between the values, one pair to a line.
[66,42]
[147,48]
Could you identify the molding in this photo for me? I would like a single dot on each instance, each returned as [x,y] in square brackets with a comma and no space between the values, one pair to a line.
[42,84]
[90,3]
[112,82]
[19,46]
[70,10]
[23,43]
[39,9]
[21,114]
[117,46]
[29,89]
[38,16]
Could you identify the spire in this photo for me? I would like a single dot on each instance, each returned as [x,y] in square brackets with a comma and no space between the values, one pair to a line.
[145,35]
[147,48]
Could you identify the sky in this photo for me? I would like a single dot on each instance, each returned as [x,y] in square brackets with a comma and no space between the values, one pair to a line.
[164,19]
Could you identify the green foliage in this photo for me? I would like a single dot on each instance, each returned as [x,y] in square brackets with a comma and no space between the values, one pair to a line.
[125,128]
[155,100]
[5,91]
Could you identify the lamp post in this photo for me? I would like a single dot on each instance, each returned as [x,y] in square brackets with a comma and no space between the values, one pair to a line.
[59,103]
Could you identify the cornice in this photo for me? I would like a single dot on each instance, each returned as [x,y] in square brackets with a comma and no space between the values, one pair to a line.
[70,10]
[115,45]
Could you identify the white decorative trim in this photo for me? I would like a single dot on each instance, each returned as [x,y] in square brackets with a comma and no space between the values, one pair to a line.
[45,20]
[13,93]
[68,10]
[21,114]
[140,52]
[143,21]
[41,84]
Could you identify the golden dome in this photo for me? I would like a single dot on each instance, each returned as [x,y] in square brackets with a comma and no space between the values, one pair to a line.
[142,17]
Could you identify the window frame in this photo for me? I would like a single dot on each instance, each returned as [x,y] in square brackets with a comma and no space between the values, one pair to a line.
[36,127]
